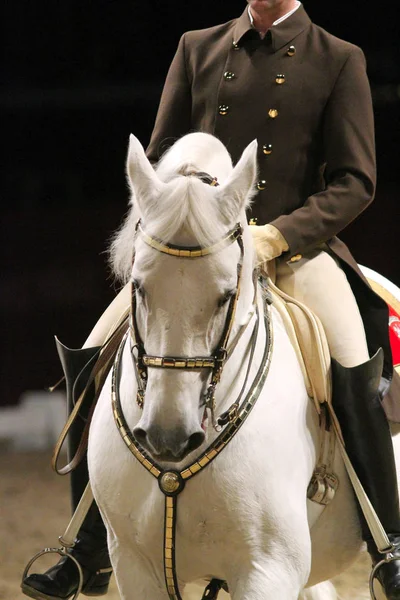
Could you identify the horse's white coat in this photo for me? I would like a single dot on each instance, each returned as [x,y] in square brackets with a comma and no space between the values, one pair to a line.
[245,517]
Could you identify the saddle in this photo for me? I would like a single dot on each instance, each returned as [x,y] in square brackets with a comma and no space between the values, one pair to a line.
[308,338]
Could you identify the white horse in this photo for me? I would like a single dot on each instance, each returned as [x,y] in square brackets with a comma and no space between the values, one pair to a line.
[244,518]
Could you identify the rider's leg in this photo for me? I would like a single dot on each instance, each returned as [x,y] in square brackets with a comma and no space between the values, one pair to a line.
[322,285]
[318,281]
[61,581]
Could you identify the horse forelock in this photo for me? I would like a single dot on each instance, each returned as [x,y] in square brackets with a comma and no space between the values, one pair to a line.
[189,204]
[186,206]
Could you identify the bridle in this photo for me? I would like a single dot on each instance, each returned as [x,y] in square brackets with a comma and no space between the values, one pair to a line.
[172,482]
[216,362]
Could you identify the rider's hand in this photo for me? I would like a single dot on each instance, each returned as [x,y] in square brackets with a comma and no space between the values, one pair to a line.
[268,243]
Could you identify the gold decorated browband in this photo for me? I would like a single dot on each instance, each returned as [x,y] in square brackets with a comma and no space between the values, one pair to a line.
[188,252]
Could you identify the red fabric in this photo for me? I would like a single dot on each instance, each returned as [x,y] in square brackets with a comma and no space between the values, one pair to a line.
[394,330]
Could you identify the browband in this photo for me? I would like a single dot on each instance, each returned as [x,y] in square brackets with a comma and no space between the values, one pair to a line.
[190,251]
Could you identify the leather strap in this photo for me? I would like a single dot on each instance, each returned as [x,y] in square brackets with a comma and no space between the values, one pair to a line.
[378,533]
[213,589]
[71,533]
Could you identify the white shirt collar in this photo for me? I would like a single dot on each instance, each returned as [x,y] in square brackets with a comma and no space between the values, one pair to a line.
[278,20]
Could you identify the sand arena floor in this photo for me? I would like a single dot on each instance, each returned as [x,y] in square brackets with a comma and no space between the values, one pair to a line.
[34,511]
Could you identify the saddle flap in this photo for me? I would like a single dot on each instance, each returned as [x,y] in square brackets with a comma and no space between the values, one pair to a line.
[315,351]
[308,338]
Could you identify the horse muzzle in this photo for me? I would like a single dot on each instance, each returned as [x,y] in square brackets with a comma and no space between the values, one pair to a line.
[168,445]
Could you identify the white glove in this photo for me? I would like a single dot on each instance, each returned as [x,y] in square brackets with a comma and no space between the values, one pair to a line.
[268,243]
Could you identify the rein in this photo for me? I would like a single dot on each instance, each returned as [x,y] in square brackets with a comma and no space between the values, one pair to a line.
[172,482]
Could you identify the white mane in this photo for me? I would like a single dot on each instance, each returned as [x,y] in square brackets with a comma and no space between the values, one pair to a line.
[186,203]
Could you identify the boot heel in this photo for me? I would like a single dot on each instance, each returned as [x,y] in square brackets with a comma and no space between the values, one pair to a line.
[96,591]
[97,584]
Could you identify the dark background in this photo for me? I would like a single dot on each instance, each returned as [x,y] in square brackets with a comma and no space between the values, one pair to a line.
[77,77]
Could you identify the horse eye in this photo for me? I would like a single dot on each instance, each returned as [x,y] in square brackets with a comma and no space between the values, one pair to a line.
[226,297]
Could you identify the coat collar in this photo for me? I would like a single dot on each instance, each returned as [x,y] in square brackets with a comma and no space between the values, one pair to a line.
[280,34]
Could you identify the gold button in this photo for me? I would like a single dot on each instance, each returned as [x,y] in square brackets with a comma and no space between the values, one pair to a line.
[296,258]
[171,483]
[291,51]
[280,78]
[223,109]
[267,149]
[228,75]
[262,184]
[235,46]
[273,113]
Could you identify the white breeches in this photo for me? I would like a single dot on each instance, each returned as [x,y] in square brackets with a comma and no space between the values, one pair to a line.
[319,282]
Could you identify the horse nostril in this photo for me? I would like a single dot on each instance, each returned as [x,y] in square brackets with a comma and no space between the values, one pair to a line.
[140,435]
[195,440]
[169,445]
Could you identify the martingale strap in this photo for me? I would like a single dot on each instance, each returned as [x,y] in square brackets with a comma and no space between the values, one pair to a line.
[171,482]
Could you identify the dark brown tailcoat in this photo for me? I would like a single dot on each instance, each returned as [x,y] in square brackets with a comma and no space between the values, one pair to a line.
[304,94]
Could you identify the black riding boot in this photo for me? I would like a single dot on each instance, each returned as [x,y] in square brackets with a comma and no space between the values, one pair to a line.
[61,581]
[369,445]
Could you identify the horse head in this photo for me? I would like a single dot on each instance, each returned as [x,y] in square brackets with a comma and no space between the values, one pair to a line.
[182,301]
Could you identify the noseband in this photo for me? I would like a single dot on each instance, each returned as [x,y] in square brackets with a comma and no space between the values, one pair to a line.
[215,362]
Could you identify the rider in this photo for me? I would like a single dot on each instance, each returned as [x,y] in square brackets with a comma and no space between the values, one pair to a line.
[272,74]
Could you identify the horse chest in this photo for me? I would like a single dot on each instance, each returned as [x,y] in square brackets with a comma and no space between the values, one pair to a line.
[212,509]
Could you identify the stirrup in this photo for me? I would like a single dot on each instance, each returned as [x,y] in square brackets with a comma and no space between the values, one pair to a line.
[387,558]
[62,552]
[68,539]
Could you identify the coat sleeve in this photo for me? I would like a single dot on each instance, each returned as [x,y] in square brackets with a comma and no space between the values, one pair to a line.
[174,113]
[348,144]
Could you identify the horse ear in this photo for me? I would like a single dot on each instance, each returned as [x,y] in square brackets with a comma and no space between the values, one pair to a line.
[142,178]
[236,193]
